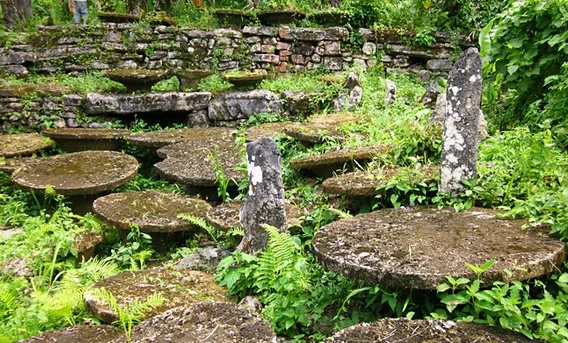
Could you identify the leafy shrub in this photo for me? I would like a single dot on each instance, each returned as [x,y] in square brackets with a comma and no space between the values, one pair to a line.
[169,85]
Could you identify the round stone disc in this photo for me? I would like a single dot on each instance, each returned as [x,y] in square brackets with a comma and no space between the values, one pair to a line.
[79,173]
[82,139]
[9,165]
[205,322]
[150,211]
[327,163]
[226,216]
[196,167]
[158,139]
[179,287]
[23,144]
[314,132]
[418,247]
[371,183]
[267,130]
[418,331]
[333,119]
[80,333]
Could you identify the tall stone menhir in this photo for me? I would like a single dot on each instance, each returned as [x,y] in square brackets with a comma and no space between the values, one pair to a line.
[459,151]
[265,201]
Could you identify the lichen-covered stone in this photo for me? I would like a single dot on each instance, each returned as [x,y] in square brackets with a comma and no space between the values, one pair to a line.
[226,216]
[418,331]
[417,247]
[265,203]
[191,165]
[206,259]
[203,322]
[79,173]
[82,139]
[79,333]
[330,162]
[151,211]
[241,80]
[178,287]
[42,89]
[463,101]
[321,127]
[242,105]
[154,102]
[158,139]
[314,34]
[390,96]
[23,144]
[85,243]
[136,76]
[351,96]
[372,183]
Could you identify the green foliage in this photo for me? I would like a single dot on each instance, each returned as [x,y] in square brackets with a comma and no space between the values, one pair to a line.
[135,251]
[170,85]
[214,83]
[525,48]
[87,83]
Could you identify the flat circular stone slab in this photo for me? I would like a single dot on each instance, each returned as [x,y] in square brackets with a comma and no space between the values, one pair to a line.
[158,139]
[226,216]
[9,165]
[418,331]
[205,322]
[136,76]
[23,144]
[178,287]
[195,166]
[150,211]
[82,139]
[335,119]
[327,163]
[80,333]
[418,247]
[369,184]
[321,127]
[268,130]
[78,173]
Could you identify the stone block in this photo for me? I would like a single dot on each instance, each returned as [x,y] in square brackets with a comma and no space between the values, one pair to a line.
[242,105]
[154,102]
[313,34]
[260,31]
[266,58]
[333,63]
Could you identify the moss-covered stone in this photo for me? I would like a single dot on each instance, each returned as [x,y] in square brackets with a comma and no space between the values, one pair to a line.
[371,183]
[80,333]
[419,331]
[328,163]
[321,127]
[245,79]
[158,139]
[268,130]
[82,139]
[189,78]
[85,243]
[52,89]
[329,18]
[195,166]
[136,78]
[178,287]
[417,247]
[226,216]
[232,18]
[23,144]
[114,17]
[9,165]
[79,173]
[150,211]
[277,17]
[205,321]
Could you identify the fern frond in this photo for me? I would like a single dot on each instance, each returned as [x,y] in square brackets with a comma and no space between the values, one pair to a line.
[201,223]
[339,213]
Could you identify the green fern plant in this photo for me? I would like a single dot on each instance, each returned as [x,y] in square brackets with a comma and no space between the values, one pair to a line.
[215,234]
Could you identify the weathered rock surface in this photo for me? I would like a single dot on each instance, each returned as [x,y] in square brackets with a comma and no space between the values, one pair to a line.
[226,216]
[265,203]
[301,103]
[154,102]
[463,101]
[243,105]
[418,331]
[130,77]
[202,136]
[80,333]
[430,97]
[390,96]
[79,173]
[418,247]
[328,163]
[313,34]
[203,322]
[23,144]
[267,130]
[82,139]
[439,115]
[370,184]
[351,96]
[151,211]
[179,288]
[205,259]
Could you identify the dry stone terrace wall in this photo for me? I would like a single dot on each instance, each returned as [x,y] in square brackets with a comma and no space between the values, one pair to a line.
[283,49]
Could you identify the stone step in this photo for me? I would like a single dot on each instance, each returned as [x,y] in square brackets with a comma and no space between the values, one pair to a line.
[417,247]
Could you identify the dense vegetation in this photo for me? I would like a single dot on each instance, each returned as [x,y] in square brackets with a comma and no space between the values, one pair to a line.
[523,170]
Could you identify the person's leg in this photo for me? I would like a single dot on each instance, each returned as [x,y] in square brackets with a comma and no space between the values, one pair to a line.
[84,11]
[76,15]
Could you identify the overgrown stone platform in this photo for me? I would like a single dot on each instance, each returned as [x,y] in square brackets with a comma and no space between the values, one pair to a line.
[417,247]
[419,331]
[81,139]
[151,211]
[268,130]
[23,144]
[177,287]
[204,322]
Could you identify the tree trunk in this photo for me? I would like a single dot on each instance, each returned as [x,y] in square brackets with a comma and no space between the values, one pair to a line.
[137,6]
[16,12]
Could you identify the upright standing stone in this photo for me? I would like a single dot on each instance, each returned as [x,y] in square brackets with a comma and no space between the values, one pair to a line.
[353,93]
[390,96]
[16,12]
[463,101]
[265,202]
